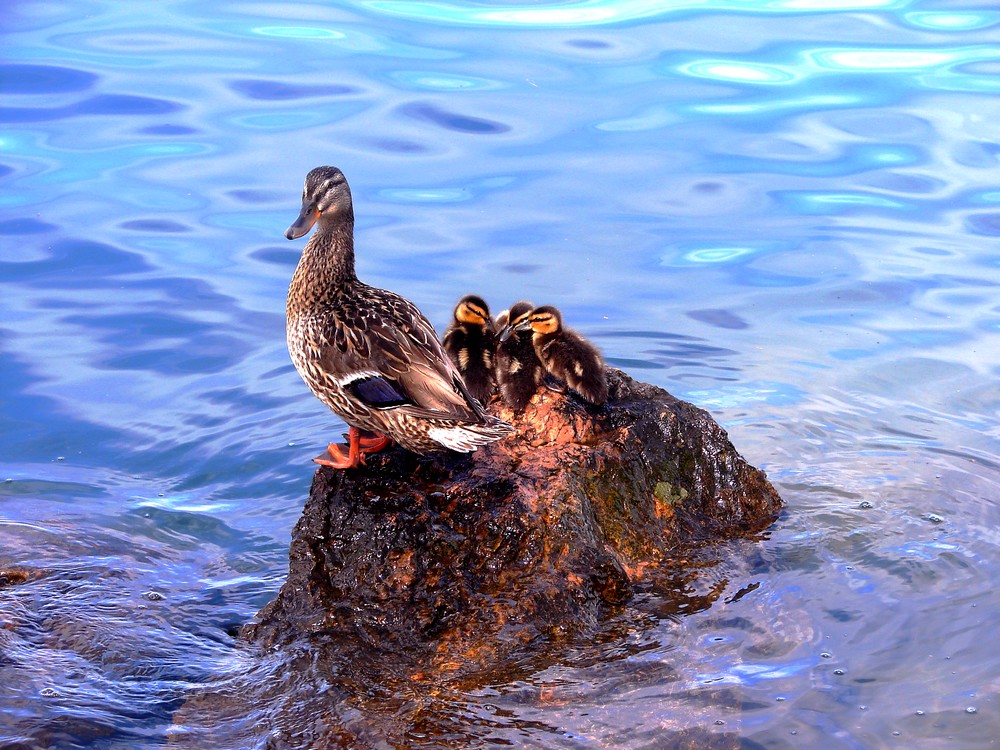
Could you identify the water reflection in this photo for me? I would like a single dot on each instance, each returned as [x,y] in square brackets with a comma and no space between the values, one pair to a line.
[94,628]
[781,212]
[600,12]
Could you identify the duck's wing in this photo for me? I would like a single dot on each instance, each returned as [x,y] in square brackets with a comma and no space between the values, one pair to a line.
[386,354]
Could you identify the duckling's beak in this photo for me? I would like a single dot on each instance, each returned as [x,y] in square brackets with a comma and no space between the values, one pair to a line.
[307,217]
[505,332]
[524,325]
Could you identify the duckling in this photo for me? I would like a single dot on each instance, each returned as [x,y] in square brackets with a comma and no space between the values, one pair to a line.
[566,355]
[470,341]
[369,354]
[518,371]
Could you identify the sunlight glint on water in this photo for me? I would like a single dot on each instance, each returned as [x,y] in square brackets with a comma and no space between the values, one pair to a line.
[786,212]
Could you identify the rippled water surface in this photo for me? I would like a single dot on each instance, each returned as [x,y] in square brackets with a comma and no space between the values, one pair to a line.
[787,212]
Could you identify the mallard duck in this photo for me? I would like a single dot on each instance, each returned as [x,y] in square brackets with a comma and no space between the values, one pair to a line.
[367,353]
[565,354]
[518,371]
[470,341]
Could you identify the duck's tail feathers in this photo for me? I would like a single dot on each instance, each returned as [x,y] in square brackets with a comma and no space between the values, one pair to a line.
[465,437]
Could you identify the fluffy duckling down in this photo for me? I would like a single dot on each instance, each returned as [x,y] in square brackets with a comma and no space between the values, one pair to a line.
[565,354]
[470,341]
[518,371]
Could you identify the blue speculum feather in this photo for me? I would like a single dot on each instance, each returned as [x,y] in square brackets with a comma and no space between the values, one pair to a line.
[379,392]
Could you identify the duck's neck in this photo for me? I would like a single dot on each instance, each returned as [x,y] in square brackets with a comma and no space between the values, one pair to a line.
[327,262]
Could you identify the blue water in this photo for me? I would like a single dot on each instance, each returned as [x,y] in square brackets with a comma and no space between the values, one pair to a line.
[787,212]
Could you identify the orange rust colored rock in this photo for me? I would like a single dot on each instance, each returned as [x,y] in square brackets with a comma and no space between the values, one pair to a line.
[456,561]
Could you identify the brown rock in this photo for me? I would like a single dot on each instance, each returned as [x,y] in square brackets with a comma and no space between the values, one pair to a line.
[456,561]
[413,582]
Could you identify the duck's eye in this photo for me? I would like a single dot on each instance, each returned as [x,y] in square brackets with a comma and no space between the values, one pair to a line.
[544,323]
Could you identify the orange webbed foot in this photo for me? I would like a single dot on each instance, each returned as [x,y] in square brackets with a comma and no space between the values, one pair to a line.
[337,458]
[358,447]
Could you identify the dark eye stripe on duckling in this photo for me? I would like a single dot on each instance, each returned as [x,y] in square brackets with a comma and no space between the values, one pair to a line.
[469,312]
[544,322]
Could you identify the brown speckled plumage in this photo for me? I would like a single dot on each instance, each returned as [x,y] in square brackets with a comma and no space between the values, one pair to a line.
[367,353]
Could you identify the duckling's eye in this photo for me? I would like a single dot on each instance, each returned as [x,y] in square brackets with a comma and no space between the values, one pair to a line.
[544,323]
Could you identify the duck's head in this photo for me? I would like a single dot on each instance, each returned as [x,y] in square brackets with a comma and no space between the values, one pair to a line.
[472,310]
[544,320]
[326,194]
[514,317]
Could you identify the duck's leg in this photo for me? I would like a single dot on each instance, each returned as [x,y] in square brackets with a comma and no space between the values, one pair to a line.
[358,447]
[373,444]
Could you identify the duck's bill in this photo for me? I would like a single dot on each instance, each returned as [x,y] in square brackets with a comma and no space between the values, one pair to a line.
[505,333]
[519,326]
[307,217]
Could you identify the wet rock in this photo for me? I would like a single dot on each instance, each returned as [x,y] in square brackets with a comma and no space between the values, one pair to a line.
[453,563]
[16,575]
[416,583]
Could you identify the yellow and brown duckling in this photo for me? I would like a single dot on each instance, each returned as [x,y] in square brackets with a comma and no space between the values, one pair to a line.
[470,341]
[518,370]
[367,353]
[565,354]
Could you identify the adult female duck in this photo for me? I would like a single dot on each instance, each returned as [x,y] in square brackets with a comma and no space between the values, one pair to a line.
[367,353]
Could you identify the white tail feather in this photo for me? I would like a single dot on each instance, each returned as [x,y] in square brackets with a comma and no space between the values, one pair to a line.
[466,438]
